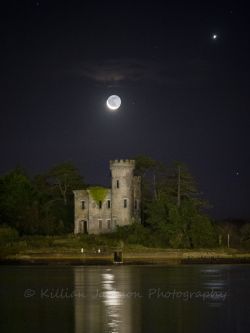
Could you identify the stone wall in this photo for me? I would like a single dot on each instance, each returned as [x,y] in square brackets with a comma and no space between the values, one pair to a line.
[100,218]
[81,214]
[137,199]
[92,214]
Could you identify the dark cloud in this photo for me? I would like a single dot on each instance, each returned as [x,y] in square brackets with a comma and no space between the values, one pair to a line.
[173,72]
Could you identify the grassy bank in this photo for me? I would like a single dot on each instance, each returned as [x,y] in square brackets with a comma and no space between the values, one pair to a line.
[129,239]
[80,244]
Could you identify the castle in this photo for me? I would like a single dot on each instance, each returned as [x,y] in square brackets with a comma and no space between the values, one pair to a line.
[99,210]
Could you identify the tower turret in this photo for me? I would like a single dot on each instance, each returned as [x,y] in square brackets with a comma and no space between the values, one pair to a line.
[122,191]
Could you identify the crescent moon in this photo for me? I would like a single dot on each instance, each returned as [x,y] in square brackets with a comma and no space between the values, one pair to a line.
[115,101]
[112,107]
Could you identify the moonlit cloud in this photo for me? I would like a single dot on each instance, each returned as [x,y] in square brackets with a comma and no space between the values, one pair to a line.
[173,72]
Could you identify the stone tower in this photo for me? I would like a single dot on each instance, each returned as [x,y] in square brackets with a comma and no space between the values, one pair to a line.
[125,198]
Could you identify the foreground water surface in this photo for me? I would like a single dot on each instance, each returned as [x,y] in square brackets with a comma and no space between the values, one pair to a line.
[125,299]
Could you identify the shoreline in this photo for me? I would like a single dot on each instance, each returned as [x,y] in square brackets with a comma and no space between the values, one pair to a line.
[128,258]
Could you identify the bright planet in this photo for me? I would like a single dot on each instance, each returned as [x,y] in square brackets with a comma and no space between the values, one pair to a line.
[114,102]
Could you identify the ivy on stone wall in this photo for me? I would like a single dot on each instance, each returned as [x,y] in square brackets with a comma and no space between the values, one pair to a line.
[98,193]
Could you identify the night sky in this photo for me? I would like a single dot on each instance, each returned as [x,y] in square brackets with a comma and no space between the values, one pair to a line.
[185,94]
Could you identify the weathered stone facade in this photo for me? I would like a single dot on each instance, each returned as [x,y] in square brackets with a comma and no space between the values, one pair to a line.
[121,206]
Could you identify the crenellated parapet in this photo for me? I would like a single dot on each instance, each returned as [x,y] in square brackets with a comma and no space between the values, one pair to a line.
[122,164]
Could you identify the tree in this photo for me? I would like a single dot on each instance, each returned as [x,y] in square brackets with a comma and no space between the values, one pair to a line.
[144,163]
[165,218]
[20,170]
[180,226]
[16,194]
[63,179]
[143,166]
[57,187]
[180,186]
[202,232]
[43,205]
[30,221]
[21,203]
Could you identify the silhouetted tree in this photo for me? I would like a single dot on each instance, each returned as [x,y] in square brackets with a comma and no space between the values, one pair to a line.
[64,178]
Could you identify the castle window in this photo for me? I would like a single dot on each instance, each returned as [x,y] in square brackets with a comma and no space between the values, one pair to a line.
[136,204]
[117,184]
[83,204]
[109,204]
[100,204]
[108,224]
[125,203]
[100,224]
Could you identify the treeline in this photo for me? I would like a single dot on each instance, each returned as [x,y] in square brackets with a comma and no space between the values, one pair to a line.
[42,205]
[171,208]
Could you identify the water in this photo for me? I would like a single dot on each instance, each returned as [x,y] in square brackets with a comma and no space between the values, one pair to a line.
[125,299]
